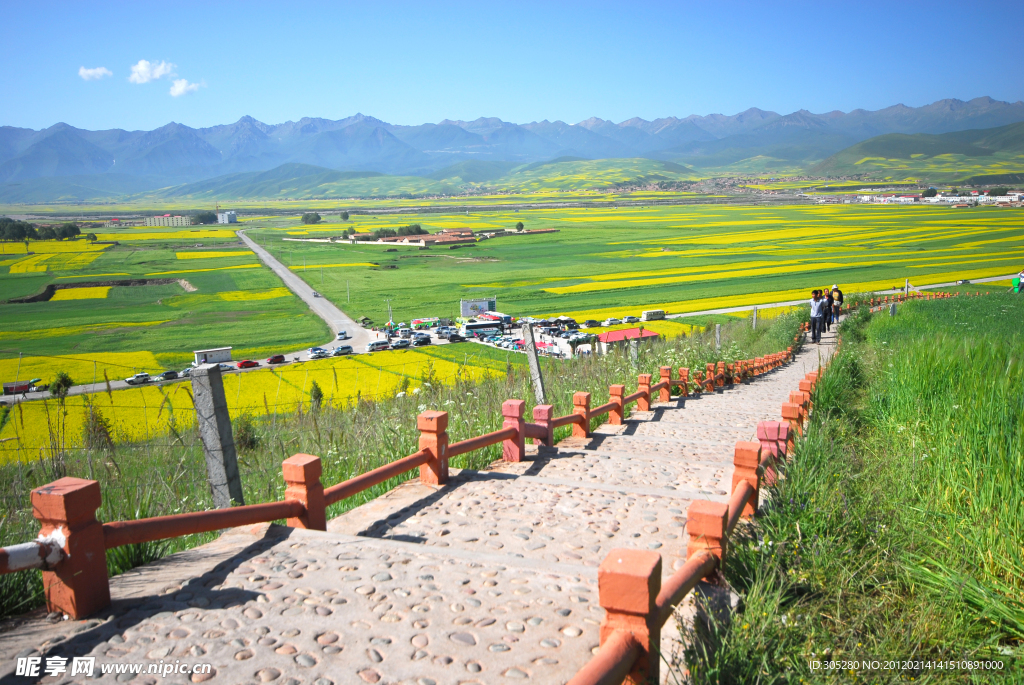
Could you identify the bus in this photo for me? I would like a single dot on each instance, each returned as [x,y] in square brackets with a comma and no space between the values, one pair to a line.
[480,329]
[652,315]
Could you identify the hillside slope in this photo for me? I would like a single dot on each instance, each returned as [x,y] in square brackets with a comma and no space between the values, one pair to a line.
[952,156]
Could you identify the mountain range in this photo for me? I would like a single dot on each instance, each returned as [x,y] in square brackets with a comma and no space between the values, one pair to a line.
[67,162]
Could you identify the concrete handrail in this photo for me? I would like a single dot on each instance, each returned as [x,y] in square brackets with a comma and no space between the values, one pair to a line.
[480,441]
[613,663]
[364,481]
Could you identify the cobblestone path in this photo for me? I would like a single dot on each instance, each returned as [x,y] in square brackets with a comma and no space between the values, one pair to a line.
[489,579]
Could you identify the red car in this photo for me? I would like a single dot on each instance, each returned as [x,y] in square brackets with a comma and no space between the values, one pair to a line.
[276,359]
[247,364]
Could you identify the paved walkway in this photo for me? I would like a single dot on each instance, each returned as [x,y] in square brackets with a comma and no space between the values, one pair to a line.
[491,578]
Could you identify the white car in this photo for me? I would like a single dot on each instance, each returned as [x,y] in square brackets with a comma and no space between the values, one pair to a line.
[630,319]
[341,349]
[138,379]
[611,322]
[378,345]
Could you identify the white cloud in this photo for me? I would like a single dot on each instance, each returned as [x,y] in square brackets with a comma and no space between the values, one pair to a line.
[145,71]
[183,87]
[94,74]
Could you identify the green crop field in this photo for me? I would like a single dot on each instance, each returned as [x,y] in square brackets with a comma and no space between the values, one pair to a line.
[618,261]
[196,297]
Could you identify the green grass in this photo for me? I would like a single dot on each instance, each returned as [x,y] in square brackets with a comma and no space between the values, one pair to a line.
[896,531]
[168,475]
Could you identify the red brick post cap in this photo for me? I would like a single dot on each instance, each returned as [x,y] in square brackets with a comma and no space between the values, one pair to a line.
[67,499]
[616,390]
[747,455]
[645,378]
[513,409]
[543,412]
[301,468]
[705,518]
[790,410]
[432,421]
[581,399]
[629,581]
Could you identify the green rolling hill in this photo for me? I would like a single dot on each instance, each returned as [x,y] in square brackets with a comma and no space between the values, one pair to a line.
[991,155]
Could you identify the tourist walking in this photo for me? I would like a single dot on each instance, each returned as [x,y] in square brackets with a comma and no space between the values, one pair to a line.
[817,312]
[837,304]
[826,317]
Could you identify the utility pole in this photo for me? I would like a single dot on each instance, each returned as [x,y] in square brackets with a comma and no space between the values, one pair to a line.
[755,318]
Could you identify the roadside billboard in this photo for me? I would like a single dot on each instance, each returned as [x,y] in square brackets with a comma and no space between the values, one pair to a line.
[470,308]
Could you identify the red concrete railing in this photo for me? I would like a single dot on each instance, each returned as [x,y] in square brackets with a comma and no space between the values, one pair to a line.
[72,543]
[629,580]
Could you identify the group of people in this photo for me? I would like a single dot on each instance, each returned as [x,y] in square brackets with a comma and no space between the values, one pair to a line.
[825,307]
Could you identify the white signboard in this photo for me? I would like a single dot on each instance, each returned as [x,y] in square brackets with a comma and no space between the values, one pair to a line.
[470,308]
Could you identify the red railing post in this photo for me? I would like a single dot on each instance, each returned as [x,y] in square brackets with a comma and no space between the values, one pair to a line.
[786,440]
[768,436]
[791,413]
[643,403]
[542,415]
[720,375]
[665,394]
[302,482]
[514,449]
[628,582]
[706,523]
[581,407]
[433,426]
[617,413]
[684,382]
[709,380]
[746,459]
[66,510]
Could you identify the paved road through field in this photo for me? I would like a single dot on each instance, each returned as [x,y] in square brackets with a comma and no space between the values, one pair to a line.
[336,319]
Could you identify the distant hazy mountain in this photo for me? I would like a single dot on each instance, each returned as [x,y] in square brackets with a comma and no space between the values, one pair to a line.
[175,154]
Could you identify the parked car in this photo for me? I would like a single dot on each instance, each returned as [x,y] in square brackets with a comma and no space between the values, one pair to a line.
[247,364]
[611,322]
[316,294]
[377,345]
[420,342]
[399,344]
[138,379]
[590,323]
[314,350]
[225,367]
[185,373]
[630,319]
[341,349]
[276,359]
[167,376]
[343,335]
[320,354]
[455,337]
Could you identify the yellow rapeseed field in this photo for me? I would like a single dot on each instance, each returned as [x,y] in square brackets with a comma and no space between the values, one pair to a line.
[152,411]
[82,368]
[93,293]
[191,271]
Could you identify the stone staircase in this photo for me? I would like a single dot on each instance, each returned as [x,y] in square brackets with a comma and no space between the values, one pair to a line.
[487,579]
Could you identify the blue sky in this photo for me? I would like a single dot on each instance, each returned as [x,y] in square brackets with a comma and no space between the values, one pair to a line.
[410,63]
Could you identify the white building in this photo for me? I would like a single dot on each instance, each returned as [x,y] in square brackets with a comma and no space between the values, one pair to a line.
[168,220]
[215,356]
[226,218]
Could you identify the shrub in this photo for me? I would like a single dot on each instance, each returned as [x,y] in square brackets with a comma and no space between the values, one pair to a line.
[247,437]
[316,397]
